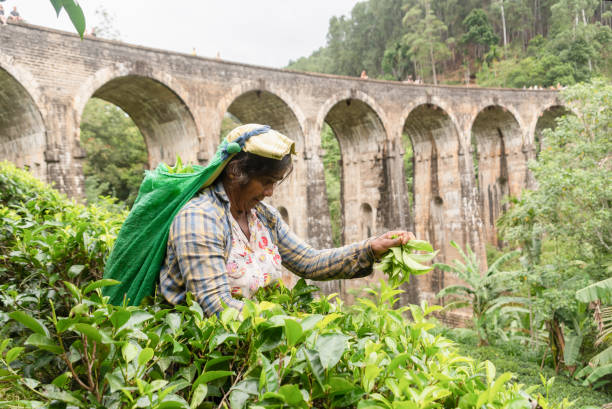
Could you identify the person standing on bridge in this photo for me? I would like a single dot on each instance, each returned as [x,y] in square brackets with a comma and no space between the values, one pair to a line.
[2,16]
[225,242]
[15,16]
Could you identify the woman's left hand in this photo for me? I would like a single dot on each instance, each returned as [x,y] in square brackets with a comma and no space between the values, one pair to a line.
[381,244]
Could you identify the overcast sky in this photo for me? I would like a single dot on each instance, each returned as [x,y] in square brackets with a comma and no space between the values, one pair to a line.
[261,32]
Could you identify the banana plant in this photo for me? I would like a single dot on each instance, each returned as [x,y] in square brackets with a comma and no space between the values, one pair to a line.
[599,371]
[483,290]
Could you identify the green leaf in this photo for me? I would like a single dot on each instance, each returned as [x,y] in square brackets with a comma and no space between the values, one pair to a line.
[119,318]
[269,376]
[44,342]
[114,382]
[75,270]
[419,245]
[413,265]
[241,392]
[292,394]
[76,293]
[397,361]
[598,373]
[13,353]
[129,352]
[314,362]
[4,344]
[210,376]
[29,322]
[340,385]
[64,397]
[490,370]
[57,5]
[76,15]
[145,356]
[171,404]
[106,282]
[64,324]
[603,358]
[498,385]
[293,332]
[198,395]
[572,349]
[88,330]
[61,380]
[330,348]
[601,290]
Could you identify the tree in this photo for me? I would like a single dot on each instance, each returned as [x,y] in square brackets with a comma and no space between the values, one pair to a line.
[396,61]
[571,206]
[116,153]
[425,35]
[106,26]
[479,32]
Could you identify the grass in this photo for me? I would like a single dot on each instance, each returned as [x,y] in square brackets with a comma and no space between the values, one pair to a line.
[525,364]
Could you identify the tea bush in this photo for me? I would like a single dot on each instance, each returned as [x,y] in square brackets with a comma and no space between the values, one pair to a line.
[62,345]
[45,239]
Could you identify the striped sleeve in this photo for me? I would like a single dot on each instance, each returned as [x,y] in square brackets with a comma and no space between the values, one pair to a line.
[351,261]
[199,246]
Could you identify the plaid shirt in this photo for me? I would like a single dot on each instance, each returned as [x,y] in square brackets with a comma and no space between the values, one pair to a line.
[199,244]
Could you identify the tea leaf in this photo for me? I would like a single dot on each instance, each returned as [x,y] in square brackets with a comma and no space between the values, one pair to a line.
[30,322]
[44,342]
[145,356]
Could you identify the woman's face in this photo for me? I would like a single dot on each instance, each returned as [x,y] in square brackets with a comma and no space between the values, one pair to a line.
[256,190]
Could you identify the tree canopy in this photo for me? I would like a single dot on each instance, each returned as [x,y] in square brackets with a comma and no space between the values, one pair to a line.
[518,43]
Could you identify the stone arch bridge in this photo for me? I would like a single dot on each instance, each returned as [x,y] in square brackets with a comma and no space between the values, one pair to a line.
[178,102]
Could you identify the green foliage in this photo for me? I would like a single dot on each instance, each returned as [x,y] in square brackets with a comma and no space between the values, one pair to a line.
[116,152]
[425,36]
[402,262]
[563,230]
[571,205]
[599,372]
[74,11]
[549,41]
[479,32]
[526,364]
[63,345]
[332,168]
[159,356]
[483,291]
[179,168]
[47,239]
[408,169]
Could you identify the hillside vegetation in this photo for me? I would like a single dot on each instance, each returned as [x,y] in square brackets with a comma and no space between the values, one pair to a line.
[506,43]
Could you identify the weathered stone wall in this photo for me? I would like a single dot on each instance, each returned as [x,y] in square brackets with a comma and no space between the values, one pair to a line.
[178,102]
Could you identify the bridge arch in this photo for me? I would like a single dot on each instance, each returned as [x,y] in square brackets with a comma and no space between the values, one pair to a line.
[372,107]
[361,135]
[163,117]
[276,108]
[497,143]
[438,214]
[22,129]
[547,119]
[256,104]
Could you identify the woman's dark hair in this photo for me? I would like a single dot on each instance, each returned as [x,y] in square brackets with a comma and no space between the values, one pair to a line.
[246,166]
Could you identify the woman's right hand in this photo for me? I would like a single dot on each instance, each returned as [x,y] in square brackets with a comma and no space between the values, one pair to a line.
[381,244]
